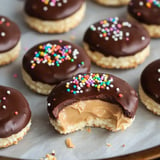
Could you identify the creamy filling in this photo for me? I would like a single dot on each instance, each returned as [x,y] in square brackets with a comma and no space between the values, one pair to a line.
[90,110]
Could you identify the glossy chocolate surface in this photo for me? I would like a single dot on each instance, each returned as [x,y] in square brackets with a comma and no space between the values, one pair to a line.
[150,80]
[115,90]
[14,112]
[52,10]
[9,34]
[145,11]
[117,38]
[61,60]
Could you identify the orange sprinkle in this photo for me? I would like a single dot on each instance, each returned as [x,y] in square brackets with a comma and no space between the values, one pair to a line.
[69,143]
[88,129]
[109,145]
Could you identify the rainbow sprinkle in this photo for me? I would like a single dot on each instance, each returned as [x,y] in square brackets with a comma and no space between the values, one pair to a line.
[149,3]
[112,28]
[4,22]
[100,82]
[53,3]
[54,55]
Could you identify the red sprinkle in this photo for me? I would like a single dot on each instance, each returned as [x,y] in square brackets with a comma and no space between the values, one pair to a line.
[16,113]
[120,95]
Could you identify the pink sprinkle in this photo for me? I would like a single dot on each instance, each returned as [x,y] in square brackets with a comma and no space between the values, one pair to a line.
[119,25]
[123,145]
[4,98]
[15,75]
[127,39]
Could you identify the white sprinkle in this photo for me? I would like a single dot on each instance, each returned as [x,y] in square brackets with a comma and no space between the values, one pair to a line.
[117,89]
[4,107]
[143,38]
[3,34]
[49,104]
[159,79]
[59,4]
[127,34]
[45,8]
[8,92]
[3,19]
[141,3]
[158,70]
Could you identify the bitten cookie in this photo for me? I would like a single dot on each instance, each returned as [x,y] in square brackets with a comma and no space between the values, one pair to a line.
[54,16]
[48,63]
[149,87]
[146,13]
[94,100]
[115,43]
[9,40]
[112,2]
[15,116]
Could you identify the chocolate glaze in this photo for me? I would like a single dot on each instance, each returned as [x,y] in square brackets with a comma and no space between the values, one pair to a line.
[36,8]
[149,80]
[117,48]
[53,74]
[9,34]
[125,97]
[14,111]
[144,14]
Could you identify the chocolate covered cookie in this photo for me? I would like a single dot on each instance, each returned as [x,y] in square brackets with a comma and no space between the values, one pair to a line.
[92,99]
[146,13]
[149,87]
[48,63]
[54,16]
[115,43]
[15,116]
[9,40]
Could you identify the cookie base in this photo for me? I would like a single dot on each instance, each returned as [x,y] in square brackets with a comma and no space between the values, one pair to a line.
[15,138]
[36,86]
[153,30]
[149,103]
[112,3]
[125,62]
[10,56]
[56,26]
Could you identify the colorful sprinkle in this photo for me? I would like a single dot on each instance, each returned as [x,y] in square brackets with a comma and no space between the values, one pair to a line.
[4,107]
[112,28]
[149,3]
[100,82]
[54,55]
[8,92]
[16,113]
[54,3]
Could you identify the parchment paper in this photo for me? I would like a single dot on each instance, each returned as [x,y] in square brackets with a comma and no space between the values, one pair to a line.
[42,138]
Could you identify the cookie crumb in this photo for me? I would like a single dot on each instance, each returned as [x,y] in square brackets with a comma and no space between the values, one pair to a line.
[109,145]
[49,156]
[69,143]
[88,129]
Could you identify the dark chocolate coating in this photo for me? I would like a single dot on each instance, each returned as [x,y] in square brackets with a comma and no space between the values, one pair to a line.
[53,74]
[144,14]
[9,34]
[125,97]
[149,80]
[35,8]
[14,111]
[119,48]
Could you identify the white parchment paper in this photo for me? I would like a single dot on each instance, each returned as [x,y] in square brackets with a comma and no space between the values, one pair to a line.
[42,138]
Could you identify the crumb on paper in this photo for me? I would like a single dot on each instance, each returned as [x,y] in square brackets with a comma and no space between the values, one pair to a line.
[88,129]
[69,143]
[108,145]
[49,156]
[72,37]
[123,145]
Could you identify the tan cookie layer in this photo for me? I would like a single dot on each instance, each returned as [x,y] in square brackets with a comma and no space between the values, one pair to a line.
[113,2]
[58,26]
[154,30]
[91,113]
[15,138]
[10,56]
[117,63]
[149,102]
[38,87]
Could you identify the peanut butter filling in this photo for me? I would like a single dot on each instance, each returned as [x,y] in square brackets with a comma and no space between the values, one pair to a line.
[93,113]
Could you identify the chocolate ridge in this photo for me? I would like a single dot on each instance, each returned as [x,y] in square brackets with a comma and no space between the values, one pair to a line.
[37,8]
[9,34]
[135,38]
[142,13]
[14,111]
[150,80]
[54,74]
[120,93]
